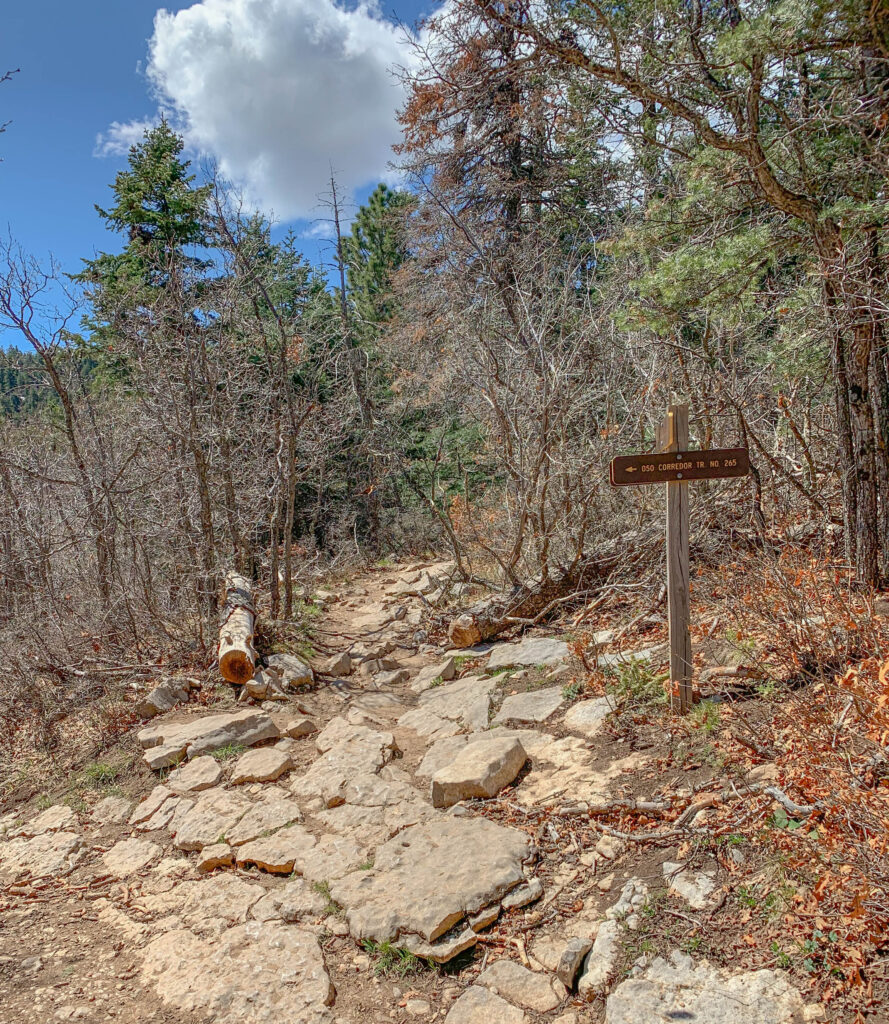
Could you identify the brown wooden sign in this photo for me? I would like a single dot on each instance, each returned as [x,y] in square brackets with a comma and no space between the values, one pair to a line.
[678,467]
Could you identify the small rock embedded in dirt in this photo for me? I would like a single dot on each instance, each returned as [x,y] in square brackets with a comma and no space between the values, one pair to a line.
[263,765]
[479,770]
[418,1007]
[49,854]
[478,1005]
[531,707]
[426,677]
[129,856]
[112,810]
[199,774]
[601,962]
[219,855]
[163,698]
[520,986]
[587,716]
[152,803]
[278,853]
[338,665]
[53,819]
[391,678]
[291,670]
[524,895]
[298,728]
[571,959]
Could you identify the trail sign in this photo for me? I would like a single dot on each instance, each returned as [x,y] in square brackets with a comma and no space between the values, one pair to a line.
[671,467]
[675,465]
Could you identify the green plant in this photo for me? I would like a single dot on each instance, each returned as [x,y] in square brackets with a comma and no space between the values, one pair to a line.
[366,865]
[705,716]
[635,683]
[461,661]
[229,751]
[391,961]
[333,909]
[781,958]
[437,681]
[43,802]
[571,691]
[501,672]
[769,689]
[76,802]
[99,775]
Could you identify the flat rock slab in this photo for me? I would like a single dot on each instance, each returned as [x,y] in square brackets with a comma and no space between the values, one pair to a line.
[349,751]
[466,702]
[53,819]
[50,853]
[129,856]
[520,986]
[273,811]
[430,876]
[479,770]
[530,651]
[531,707]
[679,989]
[168,743]
[564,770]
[206,906]
[112,810]
[214,814]
[263,765]
[259,972]
[201,773]
[587,717]
[279,853]
[479,1005]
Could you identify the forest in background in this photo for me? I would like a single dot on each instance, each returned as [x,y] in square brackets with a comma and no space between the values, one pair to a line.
[603,210]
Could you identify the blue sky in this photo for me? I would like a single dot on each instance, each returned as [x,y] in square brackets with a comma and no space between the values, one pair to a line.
[271,90]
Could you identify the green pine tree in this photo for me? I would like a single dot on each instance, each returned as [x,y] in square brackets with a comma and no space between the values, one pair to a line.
[162,214]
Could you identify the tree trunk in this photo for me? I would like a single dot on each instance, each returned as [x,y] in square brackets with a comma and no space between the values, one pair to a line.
[530,601]
[237,658]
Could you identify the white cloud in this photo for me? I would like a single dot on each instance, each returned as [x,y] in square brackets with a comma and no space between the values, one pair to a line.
[121,135]
[278,91]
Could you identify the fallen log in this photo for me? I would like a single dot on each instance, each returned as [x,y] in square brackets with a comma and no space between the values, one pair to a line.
[237,658]
[524,605]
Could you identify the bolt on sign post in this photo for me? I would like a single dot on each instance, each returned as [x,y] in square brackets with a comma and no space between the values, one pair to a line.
[674,465]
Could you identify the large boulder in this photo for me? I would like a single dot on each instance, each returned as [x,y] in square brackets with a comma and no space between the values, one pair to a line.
[479,770]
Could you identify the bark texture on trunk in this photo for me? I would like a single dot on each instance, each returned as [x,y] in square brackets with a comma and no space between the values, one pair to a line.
[237,658]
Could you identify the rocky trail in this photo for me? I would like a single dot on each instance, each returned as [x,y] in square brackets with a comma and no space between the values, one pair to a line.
[403,839]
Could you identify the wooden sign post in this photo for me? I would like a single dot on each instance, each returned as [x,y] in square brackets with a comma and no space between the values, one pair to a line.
[675,465]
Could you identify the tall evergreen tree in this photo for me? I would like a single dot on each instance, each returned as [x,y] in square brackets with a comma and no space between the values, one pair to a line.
[374,251]
[161,213]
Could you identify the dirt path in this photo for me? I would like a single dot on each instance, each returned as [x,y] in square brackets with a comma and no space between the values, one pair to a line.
[312,856]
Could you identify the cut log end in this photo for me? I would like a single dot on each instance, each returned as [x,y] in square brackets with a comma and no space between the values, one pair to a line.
[236,667]
[464,632]
[237,659]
